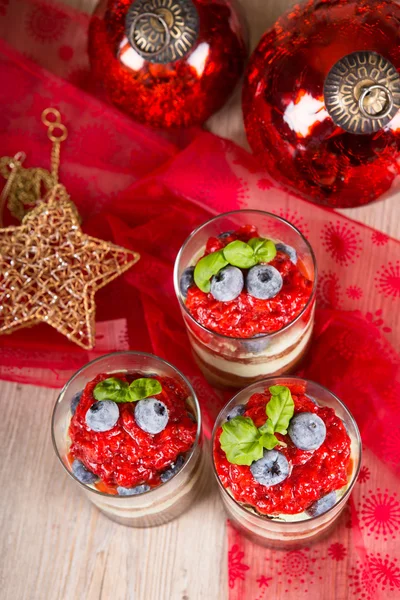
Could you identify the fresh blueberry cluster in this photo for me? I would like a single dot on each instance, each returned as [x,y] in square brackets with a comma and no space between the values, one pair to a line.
[322,505]
[173,469]
[271,469]
[256,344]
[134,491]
[291,252]
[75,401]
[187,279]
[102,416]
[151,415]
[264,282]
[237,411]
[82,473]
[261,281]
[307,432]
[227,284]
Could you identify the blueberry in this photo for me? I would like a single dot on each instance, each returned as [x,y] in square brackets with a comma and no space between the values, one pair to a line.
[254,345]
[237,411]
[102,416]
[139,489]
[173,469]
[307,431]
[75,401]
[291,252]
[264,282]
[322,505]
[226,234]
[151,415]
[82,473]
[227,284]
[271,469]
[186,281]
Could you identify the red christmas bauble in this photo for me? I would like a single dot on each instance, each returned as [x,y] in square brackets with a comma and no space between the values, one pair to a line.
[169,63]
[321,100]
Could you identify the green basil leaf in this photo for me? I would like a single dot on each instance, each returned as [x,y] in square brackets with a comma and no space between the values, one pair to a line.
[264,250]
[207,267]
[240,441]
[269,441]
[256,243]
[268,427]
[115,389]
[280,408]
[143,388]
[111,389]
[239,254]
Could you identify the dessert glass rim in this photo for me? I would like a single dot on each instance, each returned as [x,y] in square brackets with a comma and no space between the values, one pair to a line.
[134,353]
[259,335]
[289,379]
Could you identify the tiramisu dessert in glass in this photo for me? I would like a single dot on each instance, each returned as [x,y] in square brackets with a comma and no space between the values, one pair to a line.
[127,429]
[286,456]
[246,284]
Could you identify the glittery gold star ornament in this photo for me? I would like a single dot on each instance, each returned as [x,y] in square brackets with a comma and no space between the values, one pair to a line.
[50,270]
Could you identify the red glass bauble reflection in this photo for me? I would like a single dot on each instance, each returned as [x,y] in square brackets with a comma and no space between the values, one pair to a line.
[321,99]
[169,63]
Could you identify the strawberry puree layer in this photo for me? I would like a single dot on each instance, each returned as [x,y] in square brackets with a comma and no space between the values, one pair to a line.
[126,455]
[313,473]
[247,316]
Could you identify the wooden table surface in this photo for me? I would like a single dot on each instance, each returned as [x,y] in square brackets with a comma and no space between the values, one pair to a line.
[54,545]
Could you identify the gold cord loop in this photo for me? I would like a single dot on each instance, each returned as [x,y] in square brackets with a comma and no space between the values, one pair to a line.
[25,187]
[51,111]
[57,133]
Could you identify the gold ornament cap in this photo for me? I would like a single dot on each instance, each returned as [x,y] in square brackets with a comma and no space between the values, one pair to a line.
[362,92]
[162,31]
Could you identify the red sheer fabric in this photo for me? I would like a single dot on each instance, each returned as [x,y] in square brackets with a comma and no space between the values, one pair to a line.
[139,189]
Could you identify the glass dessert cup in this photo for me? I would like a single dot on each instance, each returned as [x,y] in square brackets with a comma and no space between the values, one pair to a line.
[234,362]
[160,504]
[299,529]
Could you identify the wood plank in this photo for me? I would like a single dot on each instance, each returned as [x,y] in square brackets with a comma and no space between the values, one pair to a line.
[59,547]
